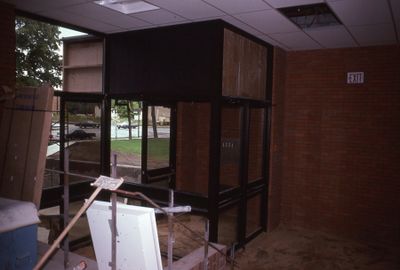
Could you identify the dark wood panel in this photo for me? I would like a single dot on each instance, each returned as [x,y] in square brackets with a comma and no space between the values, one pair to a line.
[244,67]
[183,60]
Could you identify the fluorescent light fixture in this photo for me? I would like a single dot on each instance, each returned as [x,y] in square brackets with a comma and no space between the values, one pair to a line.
[127,6]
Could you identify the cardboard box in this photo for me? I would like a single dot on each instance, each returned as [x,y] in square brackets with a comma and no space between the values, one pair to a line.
[24,135]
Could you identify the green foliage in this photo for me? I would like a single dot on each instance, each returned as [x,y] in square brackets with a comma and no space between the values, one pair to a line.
[36,53]
[158,148]
[121,107]
[132,147]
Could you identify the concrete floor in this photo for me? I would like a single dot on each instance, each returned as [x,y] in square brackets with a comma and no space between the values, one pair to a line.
[56,262]
[284,248]
[292,249]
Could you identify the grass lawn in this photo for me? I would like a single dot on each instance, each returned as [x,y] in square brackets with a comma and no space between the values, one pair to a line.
[158,149]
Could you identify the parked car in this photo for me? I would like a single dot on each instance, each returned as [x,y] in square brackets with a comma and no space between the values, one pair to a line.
[88,124]
[125,125]
[80,134]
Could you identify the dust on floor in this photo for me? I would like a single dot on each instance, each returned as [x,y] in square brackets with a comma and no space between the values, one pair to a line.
[294,249]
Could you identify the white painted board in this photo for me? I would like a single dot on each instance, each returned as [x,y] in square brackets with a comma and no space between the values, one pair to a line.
[137,238]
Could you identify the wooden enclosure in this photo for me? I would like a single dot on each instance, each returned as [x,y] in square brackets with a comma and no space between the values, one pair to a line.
[244,67]
[219,79]
[216,82]
[83,65]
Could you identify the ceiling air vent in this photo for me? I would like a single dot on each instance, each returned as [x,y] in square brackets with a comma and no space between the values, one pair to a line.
[311,16]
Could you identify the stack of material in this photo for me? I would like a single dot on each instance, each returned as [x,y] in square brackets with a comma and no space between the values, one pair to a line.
[18,232]
[24,134]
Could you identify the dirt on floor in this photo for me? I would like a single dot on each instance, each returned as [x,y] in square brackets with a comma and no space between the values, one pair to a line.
[282,249]
[294,249]
[286,249]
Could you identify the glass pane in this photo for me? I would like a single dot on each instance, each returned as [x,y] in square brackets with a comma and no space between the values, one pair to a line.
[158,137]
[253,222]
[227,226]
[256,144]
[230,147]
[126,138]
[192,147]
[82,136]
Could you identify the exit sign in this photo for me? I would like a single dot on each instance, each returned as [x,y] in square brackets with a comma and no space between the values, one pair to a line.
[355,77]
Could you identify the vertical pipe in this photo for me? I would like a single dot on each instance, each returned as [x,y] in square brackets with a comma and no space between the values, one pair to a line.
[206,237]
[214,169]
[232,257]
[243,170]
[114,166]
[62,153]
[267,138]
[170,230]
[172,144]
[105,137]
[66,206]
[144,142]
[114,217]
[128,109]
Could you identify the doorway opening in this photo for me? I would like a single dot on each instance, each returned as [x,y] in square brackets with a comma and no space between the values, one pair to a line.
[141,139]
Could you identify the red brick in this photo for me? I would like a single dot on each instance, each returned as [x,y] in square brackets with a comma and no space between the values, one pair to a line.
[335,151]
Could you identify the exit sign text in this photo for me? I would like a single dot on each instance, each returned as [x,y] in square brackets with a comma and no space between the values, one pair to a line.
[355,77]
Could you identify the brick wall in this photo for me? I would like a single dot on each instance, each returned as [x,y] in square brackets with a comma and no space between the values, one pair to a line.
[341,143]
[7,47]
[192,147]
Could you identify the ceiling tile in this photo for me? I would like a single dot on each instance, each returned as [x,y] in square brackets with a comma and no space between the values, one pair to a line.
[291,3]
[296,41]
[272,41]
[106,15]
[268,21]
[239,6]
[374,34]
[332,37]
[245,27]
[159,16]
[190,9]
[362,12]
[43,5]
[81,21]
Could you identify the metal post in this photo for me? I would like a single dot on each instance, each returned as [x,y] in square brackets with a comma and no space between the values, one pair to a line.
[206,237]
[66,206]
[232,256]
[114,217]
[114,166]
[170,230]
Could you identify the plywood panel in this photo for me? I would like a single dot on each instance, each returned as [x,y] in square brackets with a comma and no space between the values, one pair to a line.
[83,54]
[25,128]
[244,67]
[83,80]
[83,66]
